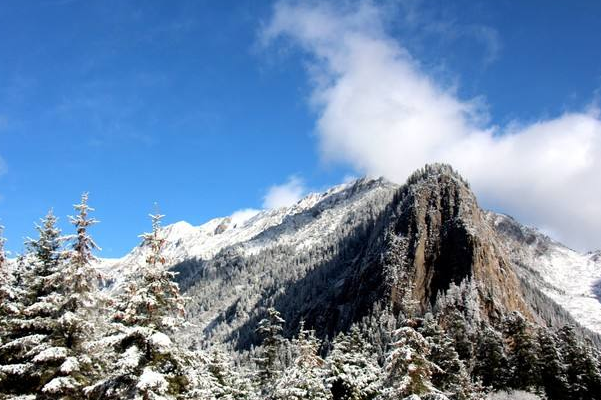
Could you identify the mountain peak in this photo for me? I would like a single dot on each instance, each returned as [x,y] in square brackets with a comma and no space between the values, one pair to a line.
[435,171]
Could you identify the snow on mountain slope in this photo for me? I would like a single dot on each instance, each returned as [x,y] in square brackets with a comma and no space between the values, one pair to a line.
[301,225]
[570,278]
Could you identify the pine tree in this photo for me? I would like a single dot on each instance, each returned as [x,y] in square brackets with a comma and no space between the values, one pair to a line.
[7,291]
[45,352]
[551,366]
[225,382]
[32,353]
[305,378]
[583,374]
[270,329]
[522,353]
[353,370]
[452,376]
[491,364]
[408,370]
[3,262]
[77,322]
[145,362]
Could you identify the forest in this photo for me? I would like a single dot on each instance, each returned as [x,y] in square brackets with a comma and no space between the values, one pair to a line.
[64,336]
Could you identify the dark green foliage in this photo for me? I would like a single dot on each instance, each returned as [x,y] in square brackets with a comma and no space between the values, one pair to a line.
[270,329]
[522,351]
[582,366]
[490,360]
[553,376]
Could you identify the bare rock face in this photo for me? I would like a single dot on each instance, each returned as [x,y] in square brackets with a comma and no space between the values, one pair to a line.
[446,239]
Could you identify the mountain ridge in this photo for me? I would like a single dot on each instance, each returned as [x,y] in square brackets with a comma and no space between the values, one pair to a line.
[337,239]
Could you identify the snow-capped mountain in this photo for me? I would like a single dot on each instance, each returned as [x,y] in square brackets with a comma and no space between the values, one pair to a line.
[323,259]
[301,225]
[571,279]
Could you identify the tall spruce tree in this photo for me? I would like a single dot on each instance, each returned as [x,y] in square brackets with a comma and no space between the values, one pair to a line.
[551,365]
[3,262]
[491,364]
[270,329]
[34,352]
[7,292]
[408,369]
[77,309]
[582,366]
[144,362]
[452,376]
[354,373]
[305,378]
[225,382]
[522,351]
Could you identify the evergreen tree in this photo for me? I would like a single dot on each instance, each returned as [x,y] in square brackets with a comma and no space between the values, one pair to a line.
[145,362]
[522,353]
[270,329]
[408,370]
[551,366]
[226,381]
[491,364]
[3,262]
[305,378]
[77,309]
[51,325]
[460,332]
[7,290]
[353,370]
[452,376]
[34,352]
[582,366]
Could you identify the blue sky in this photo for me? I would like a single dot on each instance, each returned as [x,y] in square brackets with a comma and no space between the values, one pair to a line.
[204,107]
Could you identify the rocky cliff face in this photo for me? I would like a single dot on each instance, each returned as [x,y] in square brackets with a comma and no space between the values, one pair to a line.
[448,241]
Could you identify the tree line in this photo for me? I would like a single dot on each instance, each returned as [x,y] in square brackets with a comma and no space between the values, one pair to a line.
[63,337]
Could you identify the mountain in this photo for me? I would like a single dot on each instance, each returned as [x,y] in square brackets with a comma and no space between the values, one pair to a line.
[333,258]
[569,278]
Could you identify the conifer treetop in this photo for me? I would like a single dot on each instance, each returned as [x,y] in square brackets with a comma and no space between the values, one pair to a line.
[2,241]
[83,245]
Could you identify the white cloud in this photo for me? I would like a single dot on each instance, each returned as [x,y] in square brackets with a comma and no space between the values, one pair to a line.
[380,112]
[241,216]
[286,194]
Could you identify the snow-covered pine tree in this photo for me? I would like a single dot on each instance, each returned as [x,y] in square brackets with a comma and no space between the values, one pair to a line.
[354,373]
[490,362]
[6,288]
[77,318]
[227,383]
[305,378]
[7,292]
[11,294]
[522,351]
[270,329]
[408,370]
[452,376]
[551,365]
[2,252]
[582,366]
[144,362]
[33,351]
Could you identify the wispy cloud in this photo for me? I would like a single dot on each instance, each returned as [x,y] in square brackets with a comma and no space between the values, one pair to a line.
[241,216]
[381,112]
[286,194]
